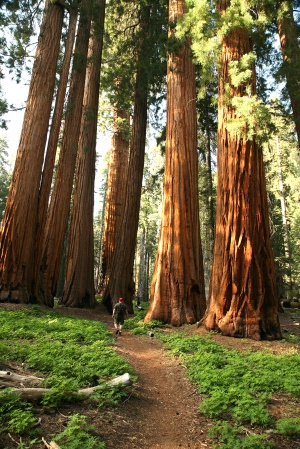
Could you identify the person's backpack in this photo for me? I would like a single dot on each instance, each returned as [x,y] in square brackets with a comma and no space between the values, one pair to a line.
[120,311]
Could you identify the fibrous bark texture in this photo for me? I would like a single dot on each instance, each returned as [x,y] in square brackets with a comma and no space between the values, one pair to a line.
[52,146]
[115,194]
[242,300]
[177,290]
[57,220]
[19,224]
[79,288]
[121,282]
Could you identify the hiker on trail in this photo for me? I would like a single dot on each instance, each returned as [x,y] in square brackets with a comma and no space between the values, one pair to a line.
[119,314]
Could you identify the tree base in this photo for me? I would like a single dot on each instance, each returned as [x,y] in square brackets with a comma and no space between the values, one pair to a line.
[241,327]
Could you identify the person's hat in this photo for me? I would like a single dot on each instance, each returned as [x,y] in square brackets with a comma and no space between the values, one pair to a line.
[120,299]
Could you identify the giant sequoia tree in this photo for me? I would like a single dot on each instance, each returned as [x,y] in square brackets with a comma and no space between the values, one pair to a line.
[115,192]
[79,286]
[177,290]
[53,139]
[57,220]
[121,277]
[19,225]
[243,300]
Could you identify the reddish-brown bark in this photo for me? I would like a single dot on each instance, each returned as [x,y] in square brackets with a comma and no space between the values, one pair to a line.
[177,290]
[115,193]
[46,182]
[121,282]
[19,224]
[242,300]
[57,220]
[79,288]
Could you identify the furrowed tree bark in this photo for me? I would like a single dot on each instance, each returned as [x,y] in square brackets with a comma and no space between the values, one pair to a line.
[115,193]
[121,282]
[243,300]
[19,224]
[47,175]
[57,220]
[177,289]
[289,35]
[79,288]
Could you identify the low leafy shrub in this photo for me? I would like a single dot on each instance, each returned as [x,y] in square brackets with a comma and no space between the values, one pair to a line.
[69,353]
[288,427]
[77,435]
[231,437]
[137,325]
[237,386]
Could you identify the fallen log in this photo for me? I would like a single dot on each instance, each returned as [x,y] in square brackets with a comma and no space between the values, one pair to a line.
[11,379]
[34,394]
[51,445]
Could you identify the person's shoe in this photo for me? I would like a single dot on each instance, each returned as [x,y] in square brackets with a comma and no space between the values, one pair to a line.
[120,333]
[117,331]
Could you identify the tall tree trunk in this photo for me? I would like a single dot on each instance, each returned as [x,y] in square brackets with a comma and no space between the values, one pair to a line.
[243,300]
[57,220]
[19,224]
[121,282]
[79,286]
[289,35]
[177,290]
[47,175]
[115,192]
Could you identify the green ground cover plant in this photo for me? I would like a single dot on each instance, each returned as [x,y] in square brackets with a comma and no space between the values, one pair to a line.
[137,325]
[237,388]
[69,353]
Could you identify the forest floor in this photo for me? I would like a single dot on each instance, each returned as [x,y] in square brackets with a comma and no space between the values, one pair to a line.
[161,411]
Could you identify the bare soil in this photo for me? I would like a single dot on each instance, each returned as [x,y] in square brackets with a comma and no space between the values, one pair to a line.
[161,410]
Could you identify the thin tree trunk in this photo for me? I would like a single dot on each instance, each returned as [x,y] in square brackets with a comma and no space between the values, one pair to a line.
[46,182]
[177,290]
[79,286]
[115,193]
[19,224]
[57,220]
[243,300]
[286,237]
[289,35]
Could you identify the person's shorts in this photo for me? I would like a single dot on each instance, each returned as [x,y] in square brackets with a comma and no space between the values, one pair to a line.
[119,320]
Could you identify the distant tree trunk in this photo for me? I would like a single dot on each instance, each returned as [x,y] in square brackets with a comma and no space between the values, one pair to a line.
[47,175]
[121,282]
[286,234]
[115,192]
[210,188]
[243,299]
[79,288]
[289,35]
[177,290]
[143,266]
[19,224]
[57,220]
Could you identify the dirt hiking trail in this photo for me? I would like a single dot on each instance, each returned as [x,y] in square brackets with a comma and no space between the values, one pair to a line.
[161,411]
